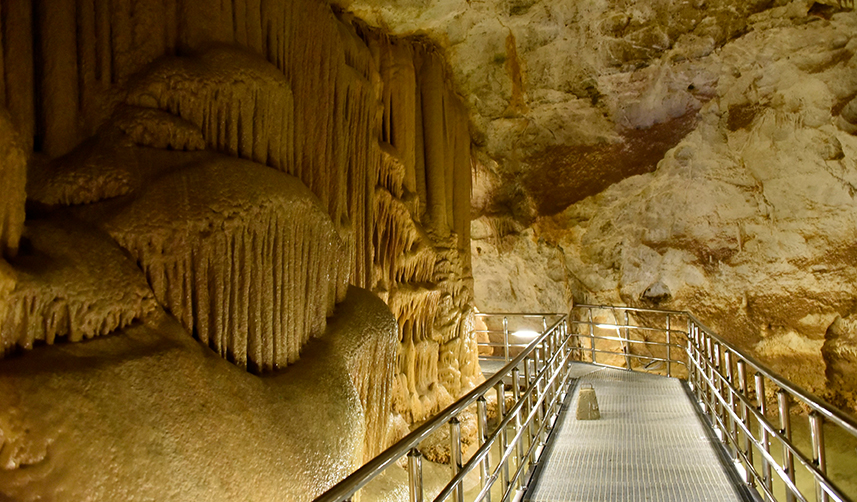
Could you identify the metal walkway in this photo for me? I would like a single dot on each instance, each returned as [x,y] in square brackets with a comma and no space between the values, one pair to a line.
[720,431]
[649,445]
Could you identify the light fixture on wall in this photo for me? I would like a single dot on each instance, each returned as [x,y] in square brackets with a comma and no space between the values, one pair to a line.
[526,334]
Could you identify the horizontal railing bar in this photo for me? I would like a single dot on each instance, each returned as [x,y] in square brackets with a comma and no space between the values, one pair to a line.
[364,474]
[819,405]
[629,309]
[499,331]
[517,314]
[629,340]
[638,356]
[808,464]
[497,344]
[601,325]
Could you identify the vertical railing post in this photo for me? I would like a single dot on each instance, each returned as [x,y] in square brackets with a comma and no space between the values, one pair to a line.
[786,431]
[455,454]
[692,375]
[816,423]
[698,371]
[766,442]
[717,382]
[482,432]
[415,475]
[709,364]
[669,349]
[627,345]
[517,393]
[591,335]
[506,338]
[745,419]
[730,383]
[528,376]
[501,414]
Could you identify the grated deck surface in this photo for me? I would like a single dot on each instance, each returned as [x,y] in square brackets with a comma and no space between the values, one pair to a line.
[649,445]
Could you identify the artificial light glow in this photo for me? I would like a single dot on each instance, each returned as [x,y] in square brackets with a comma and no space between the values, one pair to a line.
[529,335]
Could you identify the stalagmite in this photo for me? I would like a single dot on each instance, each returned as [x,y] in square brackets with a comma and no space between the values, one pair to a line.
[241,254]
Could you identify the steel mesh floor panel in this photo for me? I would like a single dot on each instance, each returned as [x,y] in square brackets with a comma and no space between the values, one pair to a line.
[649,445]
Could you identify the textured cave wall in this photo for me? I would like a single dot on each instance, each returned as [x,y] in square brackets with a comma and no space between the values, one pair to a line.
[422,207]
[254,158]
[694,156]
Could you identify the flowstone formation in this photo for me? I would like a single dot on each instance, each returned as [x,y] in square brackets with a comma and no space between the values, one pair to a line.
[205,182]
[242,255]
[422,266]
[157,416]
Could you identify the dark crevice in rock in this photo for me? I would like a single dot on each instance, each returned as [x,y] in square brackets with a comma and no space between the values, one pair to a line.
[561,175]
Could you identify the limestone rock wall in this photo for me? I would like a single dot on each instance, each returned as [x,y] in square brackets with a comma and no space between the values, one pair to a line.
[731,124]
[749,221]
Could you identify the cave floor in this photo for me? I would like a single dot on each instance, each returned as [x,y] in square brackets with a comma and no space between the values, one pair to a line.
[649,445]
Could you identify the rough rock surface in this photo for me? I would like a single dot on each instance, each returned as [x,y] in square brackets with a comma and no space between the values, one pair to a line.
[559,89]
[152,415]
[749,221]
[369,123]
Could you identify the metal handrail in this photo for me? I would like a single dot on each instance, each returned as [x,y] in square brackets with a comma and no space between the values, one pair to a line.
[717,375]
[548,355]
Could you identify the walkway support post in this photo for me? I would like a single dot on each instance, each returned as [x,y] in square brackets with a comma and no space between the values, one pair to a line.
[455,454]
[816,423]
[482,432]
[766,443]
[786,431]
[415,474]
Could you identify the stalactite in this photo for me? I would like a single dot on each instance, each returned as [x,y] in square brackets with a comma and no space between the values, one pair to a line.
[13,177]
[242,104]
[72,283]
[16,67]
[242,255]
